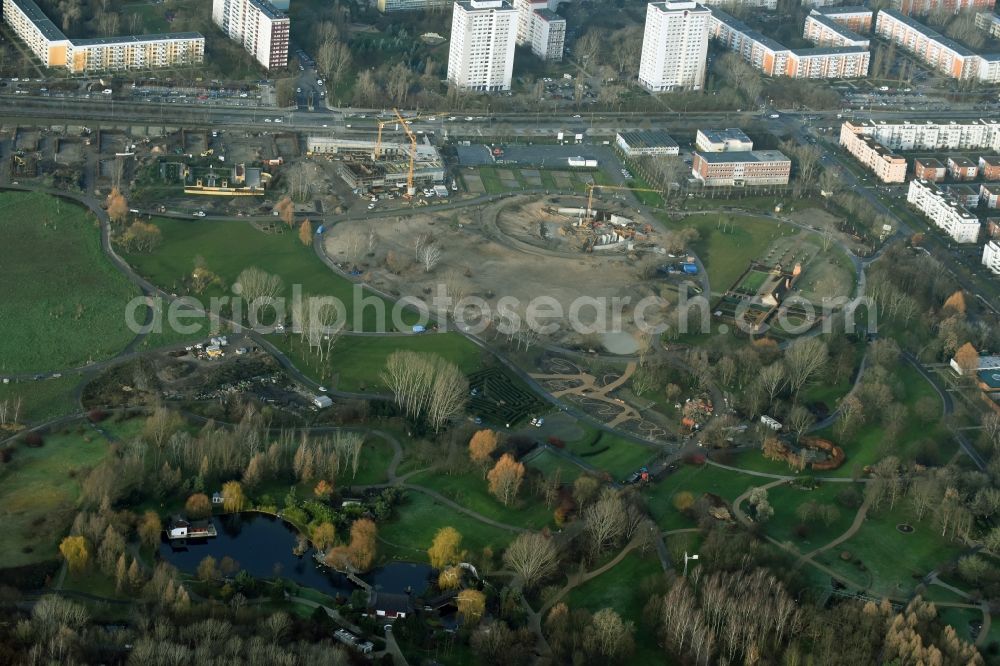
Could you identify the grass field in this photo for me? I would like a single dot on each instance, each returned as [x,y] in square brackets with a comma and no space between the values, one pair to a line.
[471,490]
[626,589]
[893,562]
[610,453]
[357,361]
[40,486]
[696,480]
[63,301]
[44,399]
[726,254]
[229,247]
[373,465]
[786,499]
[548,463]
[419,517]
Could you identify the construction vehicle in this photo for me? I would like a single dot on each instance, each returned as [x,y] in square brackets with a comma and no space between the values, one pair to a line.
[595,186]
[410,189]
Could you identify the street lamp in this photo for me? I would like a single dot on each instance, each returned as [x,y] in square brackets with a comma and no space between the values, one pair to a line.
[686,558]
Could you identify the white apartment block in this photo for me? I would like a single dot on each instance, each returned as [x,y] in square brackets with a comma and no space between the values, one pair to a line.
[924,7]
[674,46]
[771,5]
[548,35]
[525,10]
[931,135]
[934,49]
[991,257]
[989,22]
[109,54]
[256,24]
[854,17]
[54,49]
[946,213]
[773,59]
[387,6]
[481,54]
[823,30]
[838,62]
[887,167]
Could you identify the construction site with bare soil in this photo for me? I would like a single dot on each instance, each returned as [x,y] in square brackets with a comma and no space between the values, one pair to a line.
[547,247]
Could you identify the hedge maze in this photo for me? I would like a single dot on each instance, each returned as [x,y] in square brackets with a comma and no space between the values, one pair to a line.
[499,398]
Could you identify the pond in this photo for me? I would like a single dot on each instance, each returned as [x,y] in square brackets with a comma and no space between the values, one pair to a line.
[262,546]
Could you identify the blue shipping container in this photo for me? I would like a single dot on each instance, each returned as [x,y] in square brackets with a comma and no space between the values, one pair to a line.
[691,269]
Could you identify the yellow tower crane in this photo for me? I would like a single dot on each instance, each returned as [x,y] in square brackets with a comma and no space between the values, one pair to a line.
[377,153]
[410,189]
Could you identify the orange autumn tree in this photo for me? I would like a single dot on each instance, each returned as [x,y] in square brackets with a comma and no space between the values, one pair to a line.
[481,447]
[117,206]
[359,554]
[505,479]
[286,210]
[323,489]
[955,303]
[967,359]
[306,232]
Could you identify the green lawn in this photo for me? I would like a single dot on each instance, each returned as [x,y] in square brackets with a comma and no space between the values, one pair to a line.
[726,254]
[626,589]
[44,399]
[893,562]
[357,362]
[419,517]
[471,490]
[63,302]
[611,453]
[786,499]
[548,462]
[373,464]
[38,493]
[697,480]
[229,247]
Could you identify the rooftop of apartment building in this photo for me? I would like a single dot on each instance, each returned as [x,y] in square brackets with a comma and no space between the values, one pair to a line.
[268,10]
[829,23]
[677,5]
[135,39]
[960,161]
[929,162]
[828,50]
[846,9]
[744,156]
[926,123]
[548,15]
[51,32]
[741,27]
[44,24]
[928,32]
[879,149]
[948,200]
[479,5]
[991,160]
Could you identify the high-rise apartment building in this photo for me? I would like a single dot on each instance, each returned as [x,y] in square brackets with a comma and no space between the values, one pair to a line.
[548,34]
[256,24]
[525,9]
[674,46]
[481,54]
